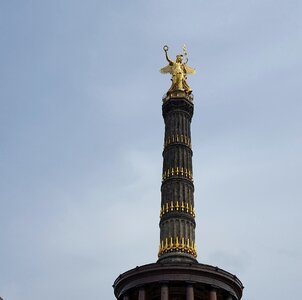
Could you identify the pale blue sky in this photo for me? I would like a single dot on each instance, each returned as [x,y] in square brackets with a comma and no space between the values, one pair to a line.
[81,139]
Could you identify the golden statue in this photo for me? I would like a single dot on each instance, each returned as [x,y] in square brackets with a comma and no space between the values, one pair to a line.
[179,71]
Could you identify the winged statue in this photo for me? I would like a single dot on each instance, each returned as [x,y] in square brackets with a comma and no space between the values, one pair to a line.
[179,71]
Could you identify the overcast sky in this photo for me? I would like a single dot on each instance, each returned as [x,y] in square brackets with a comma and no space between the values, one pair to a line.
[81,137]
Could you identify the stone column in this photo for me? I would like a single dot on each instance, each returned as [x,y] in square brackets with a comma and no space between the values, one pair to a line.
[213,295]
[189,292]
[164,293]
[142,294]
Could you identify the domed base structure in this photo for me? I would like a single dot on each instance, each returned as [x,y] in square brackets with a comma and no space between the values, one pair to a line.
[177,281]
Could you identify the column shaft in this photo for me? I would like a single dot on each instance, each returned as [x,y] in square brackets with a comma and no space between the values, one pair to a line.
[164,293]
[189,292]
[213,295]
[142,294]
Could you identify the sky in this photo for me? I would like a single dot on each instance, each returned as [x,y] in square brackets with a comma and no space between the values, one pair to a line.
[81,137]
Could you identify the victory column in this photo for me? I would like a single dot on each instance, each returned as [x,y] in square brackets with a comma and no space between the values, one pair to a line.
[177,275]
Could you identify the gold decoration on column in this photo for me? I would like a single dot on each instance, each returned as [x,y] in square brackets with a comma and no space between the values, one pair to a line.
[172,245]
[176,139]
[173,206]
[172,172]
[182,206]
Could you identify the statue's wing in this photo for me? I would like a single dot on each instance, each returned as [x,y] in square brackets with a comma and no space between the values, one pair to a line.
[189,70]
[166,69]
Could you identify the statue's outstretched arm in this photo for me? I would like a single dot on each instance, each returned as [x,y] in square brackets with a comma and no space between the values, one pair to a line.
[166,48]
